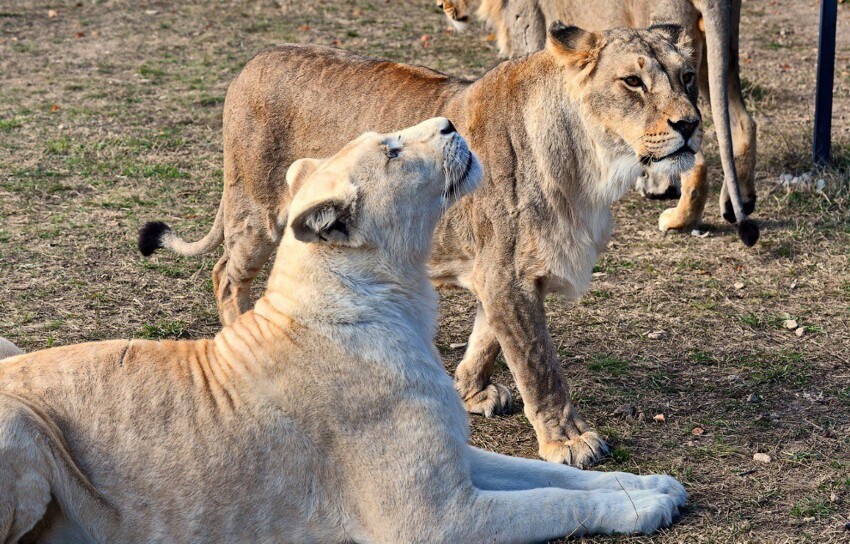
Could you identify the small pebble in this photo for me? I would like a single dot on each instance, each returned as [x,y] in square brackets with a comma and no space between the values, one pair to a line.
[659,418]
[762,458]
[458,345]
[791,324]
[739,285]
[753,398]
[800,331]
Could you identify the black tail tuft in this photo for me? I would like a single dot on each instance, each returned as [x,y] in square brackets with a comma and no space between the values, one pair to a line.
[748,230]
[150,237]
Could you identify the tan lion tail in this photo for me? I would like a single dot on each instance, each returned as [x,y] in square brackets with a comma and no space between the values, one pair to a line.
[718,21]
[156,234]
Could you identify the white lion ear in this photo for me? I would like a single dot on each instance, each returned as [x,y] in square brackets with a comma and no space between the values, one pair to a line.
[329,221]
[299,171]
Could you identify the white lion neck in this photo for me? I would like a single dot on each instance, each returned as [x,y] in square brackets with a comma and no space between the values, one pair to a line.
[336,288]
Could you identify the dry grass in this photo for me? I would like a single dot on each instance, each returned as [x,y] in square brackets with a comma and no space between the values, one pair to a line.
[110,116]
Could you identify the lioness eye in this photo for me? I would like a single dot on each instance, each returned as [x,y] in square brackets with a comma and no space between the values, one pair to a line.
[688,78]
[633,81]
[392,152]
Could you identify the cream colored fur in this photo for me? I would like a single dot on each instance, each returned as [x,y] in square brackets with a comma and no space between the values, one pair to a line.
[323,415]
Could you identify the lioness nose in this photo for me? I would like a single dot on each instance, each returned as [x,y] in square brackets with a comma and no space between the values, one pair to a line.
[448,128]
[685,127]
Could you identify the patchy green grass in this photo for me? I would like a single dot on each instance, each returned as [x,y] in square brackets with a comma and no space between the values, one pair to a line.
[164,329]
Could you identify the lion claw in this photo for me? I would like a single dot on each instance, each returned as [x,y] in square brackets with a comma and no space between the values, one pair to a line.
[495,399]
[582,452]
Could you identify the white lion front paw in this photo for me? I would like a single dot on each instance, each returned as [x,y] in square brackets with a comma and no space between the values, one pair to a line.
[667,485]
[638,511]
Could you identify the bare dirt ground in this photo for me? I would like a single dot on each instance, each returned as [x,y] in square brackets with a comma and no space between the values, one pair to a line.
[110,115]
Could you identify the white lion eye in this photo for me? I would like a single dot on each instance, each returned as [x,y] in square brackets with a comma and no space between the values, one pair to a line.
[392,152]
[688,78]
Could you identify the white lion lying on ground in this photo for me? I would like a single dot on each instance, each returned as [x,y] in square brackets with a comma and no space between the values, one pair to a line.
[323,415]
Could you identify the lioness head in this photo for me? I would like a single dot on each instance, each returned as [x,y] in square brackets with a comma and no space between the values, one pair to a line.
[637,90]
[457,11]
[383,192]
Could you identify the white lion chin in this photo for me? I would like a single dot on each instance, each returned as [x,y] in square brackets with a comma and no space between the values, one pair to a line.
[673,166]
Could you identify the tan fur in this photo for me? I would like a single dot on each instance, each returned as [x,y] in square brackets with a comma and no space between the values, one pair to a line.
[457,11]
[520,29]
[561,138]
[322,416]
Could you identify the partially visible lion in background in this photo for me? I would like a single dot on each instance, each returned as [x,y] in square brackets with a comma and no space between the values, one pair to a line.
[8,349]
[713,26]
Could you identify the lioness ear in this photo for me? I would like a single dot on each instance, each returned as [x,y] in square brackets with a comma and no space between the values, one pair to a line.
[579,46]
[299,171]
[326,221]
[669,31]
[674,34]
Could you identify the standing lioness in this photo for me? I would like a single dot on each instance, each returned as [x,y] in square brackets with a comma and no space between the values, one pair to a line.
[323,415]
[713,26]
[561,133]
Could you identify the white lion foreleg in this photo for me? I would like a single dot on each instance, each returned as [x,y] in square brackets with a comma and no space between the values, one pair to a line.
[493,471]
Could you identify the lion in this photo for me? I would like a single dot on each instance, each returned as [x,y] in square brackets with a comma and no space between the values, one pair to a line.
[323,415]
[8,349]
[713,26]
[562,134]
[457,12]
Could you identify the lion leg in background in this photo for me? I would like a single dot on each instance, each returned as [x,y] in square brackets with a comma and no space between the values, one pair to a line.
[472,377]
[516,314]
[688,212]
[496,472]
[522,28]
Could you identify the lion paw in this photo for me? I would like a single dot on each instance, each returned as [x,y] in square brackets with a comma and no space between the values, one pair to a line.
[667,485]
[582,452]
[493,400]
[639,512]
[671,219]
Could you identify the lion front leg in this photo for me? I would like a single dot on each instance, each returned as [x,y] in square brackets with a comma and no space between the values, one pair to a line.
[688,212]
[516,314]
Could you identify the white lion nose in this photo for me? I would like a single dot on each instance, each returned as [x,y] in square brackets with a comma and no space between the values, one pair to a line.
[448,128]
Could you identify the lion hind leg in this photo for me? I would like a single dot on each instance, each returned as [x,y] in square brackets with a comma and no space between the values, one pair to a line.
[24,473]
[243,259]
[472,377]
[36,468]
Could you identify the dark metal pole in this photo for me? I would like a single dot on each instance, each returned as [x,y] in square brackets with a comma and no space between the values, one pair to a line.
[826,74]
